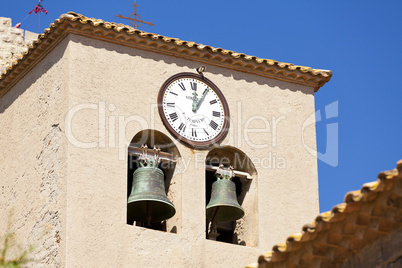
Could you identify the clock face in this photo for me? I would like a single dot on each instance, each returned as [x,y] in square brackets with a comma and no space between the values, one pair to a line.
[193,109]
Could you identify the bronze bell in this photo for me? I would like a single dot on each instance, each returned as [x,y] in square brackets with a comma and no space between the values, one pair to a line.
[147,201]
[223,206]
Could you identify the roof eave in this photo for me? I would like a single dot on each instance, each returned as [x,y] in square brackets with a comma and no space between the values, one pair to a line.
[128,36]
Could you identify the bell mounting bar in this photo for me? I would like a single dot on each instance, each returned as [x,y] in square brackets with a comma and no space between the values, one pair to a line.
[145,152]
[227,171]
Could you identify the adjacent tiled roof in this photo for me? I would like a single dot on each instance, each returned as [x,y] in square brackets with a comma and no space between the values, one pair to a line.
[123,34]
[337,235]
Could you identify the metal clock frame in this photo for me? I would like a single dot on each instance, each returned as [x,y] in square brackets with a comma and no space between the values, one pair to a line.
[195,144]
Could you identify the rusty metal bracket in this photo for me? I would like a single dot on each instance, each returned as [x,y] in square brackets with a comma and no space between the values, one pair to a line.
[201,69]
[144,153]
[228,172]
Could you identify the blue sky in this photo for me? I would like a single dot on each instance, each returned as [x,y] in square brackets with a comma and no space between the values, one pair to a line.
[360,41]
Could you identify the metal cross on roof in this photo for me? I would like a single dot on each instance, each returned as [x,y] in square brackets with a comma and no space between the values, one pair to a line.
[134,17]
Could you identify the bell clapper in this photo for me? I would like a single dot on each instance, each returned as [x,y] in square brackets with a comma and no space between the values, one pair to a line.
[148,162]
[149,218]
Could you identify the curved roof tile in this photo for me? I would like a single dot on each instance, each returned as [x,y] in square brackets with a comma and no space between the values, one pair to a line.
[367,214]
[80,24]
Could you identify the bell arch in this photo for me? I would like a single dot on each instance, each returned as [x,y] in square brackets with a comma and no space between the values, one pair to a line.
[153,142]
[243,231]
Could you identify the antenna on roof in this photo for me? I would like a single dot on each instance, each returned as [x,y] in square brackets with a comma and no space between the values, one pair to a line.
[136,18]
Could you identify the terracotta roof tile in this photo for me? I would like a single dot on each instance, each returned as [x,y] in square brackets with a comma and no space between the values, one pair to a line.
[79,24]
[366,215]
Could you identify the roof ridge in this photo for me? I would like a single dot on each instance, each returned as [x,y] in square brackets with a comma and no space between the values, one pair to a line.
[218,56]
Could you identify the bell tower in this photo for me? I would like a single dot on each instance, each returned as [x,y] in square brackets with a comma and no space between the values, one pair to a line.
[141,150]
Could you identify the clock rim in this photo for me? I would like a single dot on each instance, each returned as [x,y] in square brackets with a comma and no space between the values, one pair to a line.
[195,144]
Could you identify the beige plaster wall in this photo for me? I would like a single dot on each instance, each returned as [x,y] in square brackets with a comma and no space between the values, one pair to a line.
[95,96]
[119,86]
[33,161]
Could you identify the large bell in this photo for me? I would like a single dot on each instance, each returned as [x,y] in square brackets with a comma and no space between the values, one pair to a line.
[223,206]
[147,201]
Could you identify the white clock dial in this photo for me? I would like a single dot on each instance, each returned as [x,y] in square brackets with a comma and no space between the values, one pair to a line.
[194,110]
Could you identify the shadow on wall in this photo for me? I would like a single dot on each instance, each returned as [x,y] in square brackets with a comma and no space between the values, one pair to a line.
[44,65]
[191,63]
[33,76]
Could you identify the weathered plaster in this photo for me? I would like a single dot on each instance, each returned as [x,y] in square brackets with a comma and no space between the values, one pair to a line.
[88,186]
[33,160]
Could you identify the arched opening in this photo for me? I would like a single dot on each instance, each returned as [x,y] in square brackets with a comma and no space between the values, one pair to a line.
[155,139]
[244,230]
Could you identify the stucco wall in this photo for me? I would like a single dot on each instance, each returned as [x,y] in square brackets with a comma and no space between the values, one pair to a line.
[120,84]
[108,95]
[33,160]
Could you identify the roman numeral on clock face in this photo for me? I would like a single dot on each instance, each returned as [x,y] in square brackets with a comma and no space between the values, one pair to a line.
[173,116]
[182,86]
[213,124]
[170,104]
[182,127]
[193,86]
[216,114]
[213,102]
[193,132]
